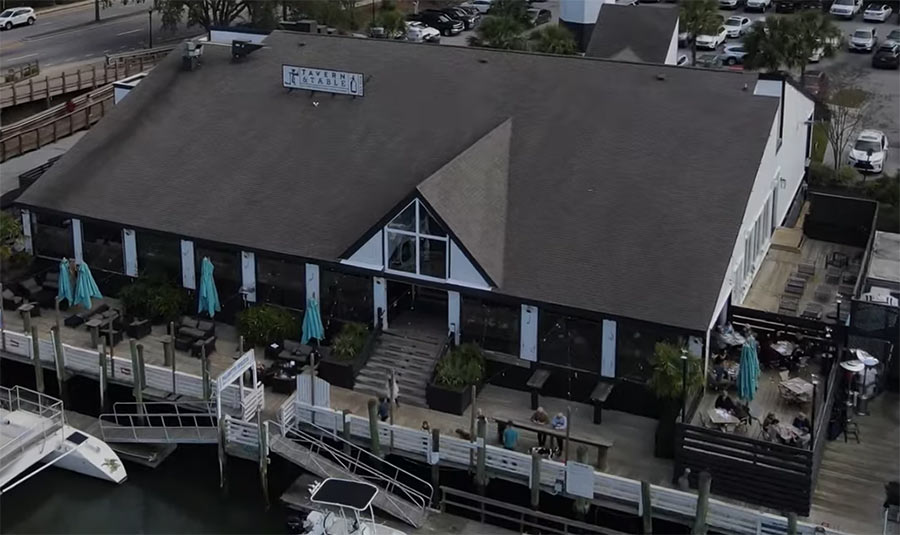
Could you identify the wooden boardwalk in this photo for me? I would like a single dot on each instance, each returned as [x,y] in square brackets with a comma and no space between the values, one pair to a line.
[849,493]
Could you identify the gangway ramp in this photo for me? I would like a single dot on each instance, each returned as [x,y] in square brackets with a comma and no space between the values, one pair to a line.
[160,422]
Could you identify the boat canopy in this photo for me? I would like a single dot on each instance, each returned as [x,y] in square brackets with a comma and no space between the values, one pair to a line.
[354,495]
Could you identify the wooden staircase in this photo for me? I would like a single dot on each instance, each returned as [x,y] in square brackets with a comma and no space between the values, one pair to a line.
[411,355]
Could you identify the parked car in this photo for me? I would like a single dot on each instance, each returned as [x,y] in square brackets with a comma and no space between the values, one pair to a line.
[17,17]
[790,6]
[730,4]
[877,12]
[893,36]
[440,21]
[863,40]
[539,16]
[419,32]
[482,6]
[845,8]
[869,151]
[468,18]
[816,83]
[712,41]
[737,26]
[682,60]
[709,61]
[733,54]
[887,56]
[758,5]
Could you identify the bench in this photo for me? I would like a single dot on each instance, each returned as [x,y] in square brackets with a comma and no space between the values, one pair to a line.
[806,270]
[536,383]
[598,398]
[601,443]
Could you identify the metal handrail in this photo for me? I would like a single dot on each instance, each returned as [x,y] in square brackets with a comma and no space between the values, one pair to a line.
[148,420]
[48,408]
[363,471]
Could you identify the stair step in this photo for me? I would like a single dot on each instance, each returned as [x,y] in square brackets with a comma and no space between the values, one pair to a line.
[403,375]
[398,351]
[381,384]
[406,345]
[399,362]
[406,398]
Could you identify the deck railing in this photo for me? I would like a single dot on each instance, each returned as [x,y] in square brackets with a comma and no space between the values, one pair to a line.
[48,409]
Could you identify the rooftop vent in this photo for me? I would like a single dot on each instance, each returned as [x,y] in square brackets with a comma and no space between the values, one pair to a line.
[190,57]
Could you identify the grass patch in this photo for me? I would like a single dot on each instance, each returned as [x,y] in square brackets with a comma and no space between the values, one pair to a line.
[819,142]
[850,97]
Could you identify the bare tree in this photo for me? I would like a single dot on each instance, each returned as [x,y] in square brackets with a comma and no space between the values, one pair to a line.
[849,108]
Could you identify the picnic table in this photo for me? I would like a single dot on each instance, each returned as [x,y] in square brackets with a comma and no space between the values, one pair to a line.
[602,444]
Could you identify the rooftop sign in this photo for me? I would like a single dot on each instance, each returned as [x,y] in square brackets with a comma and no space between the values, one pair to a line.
[312,79]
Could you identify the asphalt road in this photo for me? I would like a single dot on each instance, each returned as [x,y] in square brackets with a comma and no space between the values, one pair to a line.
[72,36]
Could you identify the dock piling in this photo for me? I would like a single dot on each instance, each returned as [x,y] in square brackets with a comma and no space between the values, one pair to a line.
[480,475]
[345,419]
[36,359]
[472,414]
[535,481]
[434,461]
[703,483]
[373,427]
[56,301]
[101,353]
[582,505]
[58,358]
[792,523]
[223,458]
[204,371]
[646,509]
[568,432]
[263,430]
[26,320]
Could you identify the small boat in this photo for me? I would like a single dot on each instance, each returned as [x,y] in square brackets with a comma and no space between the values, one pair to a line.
[353,516]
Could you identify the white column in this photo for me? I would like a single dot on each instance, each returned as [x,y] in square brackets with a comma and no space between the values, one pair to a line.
[188,265]
[77,242]
[379,300]
[528,336]
[453,314]
[129,251]
[248,275]
[608,349]
[26,231]
[312,282]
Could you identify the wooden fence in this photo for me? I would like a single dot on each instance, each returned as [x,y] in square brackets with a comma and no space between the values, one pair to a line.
[755,471]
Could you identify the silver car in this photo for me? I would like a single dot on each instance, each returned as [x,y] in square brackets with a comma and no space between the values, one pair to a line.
[863,40]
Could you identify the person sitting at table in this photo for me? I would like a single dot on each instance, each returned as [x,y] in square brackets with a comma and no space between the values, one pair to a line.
[510,436]
[768,427]
[723,401]
[801,422]
[383,409]
[541,417]
[559,423]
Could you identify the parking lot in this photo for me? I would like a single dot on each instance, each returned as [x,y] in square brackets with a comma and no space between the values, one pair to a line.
[552,5]
[882,84]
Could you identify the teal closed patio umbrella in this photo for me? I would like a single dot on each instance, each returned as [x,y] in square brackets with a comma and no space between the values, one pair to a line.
[209,295]
[748,372]
[65,291]
[312,322]
[85,287]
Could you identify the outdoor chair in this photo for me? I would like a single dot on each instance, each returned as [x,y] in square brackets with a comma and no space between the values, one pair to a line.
[833,275]
[806,270]
[38,294]
[824,292]
[836,259]
[31,308]
[851,428]
[209,343]
[11,301]
[138,328]
[190,330]
[813,311]
[78,318]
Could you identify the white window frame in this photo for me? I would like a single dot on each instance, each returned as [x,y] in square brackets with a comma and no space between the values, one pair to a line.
[417,236]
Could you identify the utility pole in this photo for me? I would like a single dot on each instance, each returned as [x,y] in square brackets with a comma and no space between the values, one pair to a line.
[150,27]
[96,10]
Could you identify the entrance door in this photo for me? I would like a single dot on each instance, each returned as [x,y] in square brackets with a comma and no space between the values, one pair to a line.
[421,307]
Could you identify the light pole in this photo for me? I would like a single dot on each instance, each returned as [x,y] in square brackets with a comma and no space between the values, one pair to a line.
[684,363]
[150,26]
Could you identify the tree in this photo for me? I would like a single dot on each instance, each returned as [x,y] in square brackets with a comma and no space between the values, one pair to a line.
[10,234]
[849,109]
[392,20]
[554,40]
[787,43]
[499,32]
[814,31]
[206,13]
[699,17]
[516,10]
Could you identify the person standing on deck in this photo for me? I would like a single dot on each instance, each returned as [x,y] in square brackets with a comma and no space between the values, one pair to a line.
[541,417]
[559,423]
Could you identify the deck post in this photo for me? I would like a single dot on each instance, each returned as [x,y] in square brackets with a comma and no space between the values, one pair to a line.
[474,410]
[792,523]
[646,509]
[136,388]
[535,481]
[582,505]
[263,430]
[26,320]
[36,358]
[204,365]
[169,351]
[703,484]
[568,431]
[103,380]
[141,367]
[59,359]
[56,301]
[345,418]
[223,458]
[480,476]
[373,427]
[435,462]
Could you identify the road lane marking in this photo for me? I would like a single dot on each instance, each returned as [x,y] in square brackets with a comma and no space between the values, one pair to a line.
[62,33]
[22,57]
[130,31]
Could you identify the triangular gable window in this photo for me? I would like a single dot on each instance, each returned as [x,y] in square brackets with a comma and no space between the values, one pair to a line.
[415,243]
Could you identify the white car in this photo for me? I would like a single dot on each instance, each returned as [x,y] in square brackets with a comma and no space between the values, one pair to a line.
[869,151]
[712,41]
[758,5]
[737,26]
[17,17]
[819,52]
[483,6]
[729,4]
[845,8]
[418,32]
[877,12]
[863,40]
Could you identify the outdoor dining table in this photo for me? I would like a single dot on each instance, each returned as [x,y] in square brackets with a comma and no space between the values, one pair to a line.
[792,435]
[796,389]
[784,348]
[722,418]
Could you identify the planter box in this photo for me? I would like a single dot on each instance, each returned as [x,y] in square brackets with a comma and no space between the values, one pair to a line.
[450,400]
[338,373]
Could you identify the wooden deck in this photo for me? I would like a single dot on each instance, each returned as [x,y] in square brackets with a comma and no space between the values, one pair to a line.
[850,490]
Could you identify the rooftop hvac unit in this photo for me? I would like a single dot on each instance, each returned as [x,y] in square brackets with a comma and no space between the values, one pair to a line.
[190,57]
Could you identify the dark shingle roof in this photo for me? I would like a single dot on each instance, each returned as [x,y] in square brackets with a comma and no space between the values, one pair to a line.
[625,190]
[633,33]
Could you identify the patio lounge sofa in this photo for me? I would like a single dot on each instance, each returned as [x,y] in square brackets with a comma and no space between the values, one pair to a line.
[37,293]
[208,342]
[189,330]
[78,318]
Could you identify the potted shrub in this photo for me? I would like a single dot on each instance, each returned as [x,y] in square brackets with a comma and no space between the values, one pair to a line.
[155,299]
[455,374]
[346,359]
[262,325]
[666,382]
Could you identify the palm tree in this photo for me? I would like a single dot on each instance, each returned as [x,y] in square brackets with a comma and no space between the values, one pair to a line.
[499,32]
[699,17]
[768,44]
[554,40]
[812,32]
